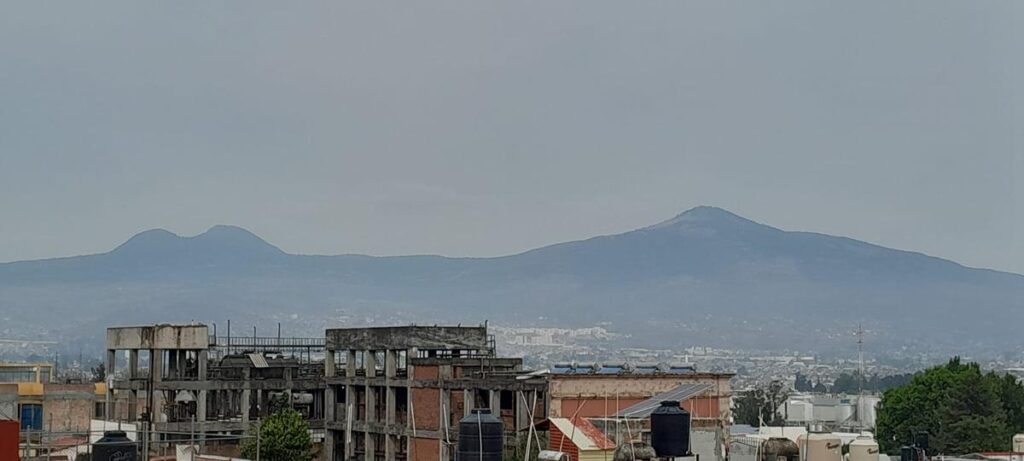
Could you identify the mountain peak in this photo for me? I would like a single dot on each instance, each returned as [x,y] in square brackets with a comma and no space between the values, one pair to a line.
[703,216]
[220,242]
[229,232]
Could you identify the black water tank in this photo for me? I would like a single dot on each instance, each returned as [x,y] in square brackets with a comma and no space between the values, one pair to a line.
[670,430]
[481,437]
[921,440]
[115,446]
[908,453]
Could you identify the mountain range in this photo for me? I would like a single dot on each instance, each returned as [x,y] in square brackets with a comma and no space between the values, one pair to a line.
[704,277]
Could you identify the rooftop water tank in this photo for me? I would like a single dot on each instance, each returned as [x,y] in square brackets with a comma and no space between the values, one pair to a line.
[115,446]
[1018,443]
[670,430]
[864,448]
[552,455]
[480,437]
[780,449]
[921,440]
[822,446]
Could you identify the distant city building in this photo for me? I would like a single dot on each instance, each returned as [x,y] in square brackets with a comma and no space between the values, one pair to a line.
[831,411]
[30,395]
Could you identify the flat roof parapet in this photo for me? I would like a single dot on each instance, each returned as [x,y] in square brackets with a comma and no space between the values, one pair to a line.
[407,337]
[164,336]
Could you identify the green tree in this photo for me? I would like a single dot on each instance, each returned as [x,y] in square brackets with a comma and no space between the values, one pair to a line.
[762,403]
[846,383]
[802,383]
[284,436]
[99,373]
[961,408]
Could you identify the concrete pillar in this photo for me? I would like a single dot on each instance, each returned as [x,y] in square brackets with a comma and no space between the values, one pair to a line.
[156,364]
[371,447]
[330,403]
[390,364]
[245,403]
[203,358]
[329,446]
[389,447]
[329,370]
[350,414]
[445,420]
[133,405]
[371,404]
[409,355]
[370,362]
[495,403]
[201,406]
[389,405]
[522,407]
[109,369]
[468,401]
[350,364]
[133,363]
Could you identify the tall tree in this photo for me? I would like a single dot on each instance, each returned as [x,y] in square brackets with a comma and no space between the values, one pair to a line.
[961,408]
[762,403]
[802,383]
[284,436]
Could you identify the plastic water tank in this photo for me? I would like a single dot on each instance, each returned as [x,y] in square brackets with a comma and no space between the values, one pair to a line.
[481,437]
[115,446]
[823,446]
[780,449]
[864,448]
[1018,443]
[670,430]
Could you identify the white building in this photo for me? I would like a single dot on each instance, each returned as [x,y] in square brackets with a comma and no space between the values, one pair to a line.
[836,411]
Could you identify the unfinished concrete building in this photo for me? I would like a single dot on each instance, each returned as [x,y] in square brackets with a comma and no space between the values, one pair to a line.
[397,393]
[180,378]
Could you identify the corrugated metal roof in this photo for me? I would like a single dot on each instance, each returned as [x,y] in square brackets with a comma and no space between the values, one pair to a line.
[258,360]
[583,434]
[680,393]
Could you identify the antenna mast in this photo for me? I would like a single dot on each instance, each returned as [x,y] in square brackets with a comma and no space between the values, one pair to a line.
[860,358]
[860,372]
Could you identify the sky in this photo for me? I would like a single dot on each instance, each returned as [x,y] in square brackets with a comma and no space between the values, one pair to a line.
[484,128]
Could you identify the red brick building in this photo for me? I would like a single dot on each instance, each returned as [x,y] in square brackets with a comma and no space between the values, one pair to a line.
[601,391]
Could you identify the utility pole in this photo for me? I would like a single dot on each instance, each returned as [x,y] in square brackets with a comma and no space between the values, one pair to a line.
[192,439]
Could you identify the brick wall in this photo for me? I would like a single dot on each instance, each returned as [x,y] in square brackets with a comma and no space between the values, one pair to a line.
[425,372]
[68,407]
[425,449]
[427,408]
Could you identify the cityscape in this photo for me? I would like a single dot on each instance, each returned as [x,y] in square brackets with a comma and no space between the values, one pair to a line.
[512,231]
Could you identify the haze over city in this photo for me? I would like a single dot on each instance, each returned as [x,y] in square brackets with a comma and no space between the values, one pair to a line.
[539,231]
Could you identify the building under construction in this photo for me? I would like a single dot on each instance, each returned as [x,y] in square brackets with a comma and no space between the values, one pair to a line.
[198,385]
[397,393]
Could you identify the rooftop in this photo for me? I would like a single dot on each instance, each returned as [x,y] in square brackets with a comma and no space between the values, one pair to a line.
[621,369]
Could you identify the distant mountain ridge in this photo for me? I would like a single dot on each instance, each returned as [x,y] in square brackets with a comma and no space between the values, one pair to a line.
[705,276]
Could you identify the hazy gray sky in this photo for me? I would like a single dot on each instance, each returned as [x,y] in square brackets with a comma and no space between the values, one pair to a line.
[485,128]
